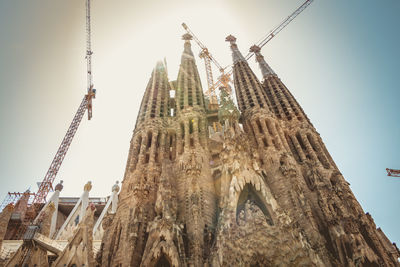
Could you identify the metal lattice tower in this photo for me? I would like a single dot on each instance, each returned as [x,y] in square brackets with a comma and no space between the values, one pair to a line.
[91,91]
[46,185]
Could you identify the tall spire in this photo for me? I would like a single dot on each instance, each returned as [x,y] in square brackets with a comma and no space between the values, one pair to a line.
[196,191]
[237,56]
[249,91]
[283,103]
[188,47]
[266,70]
[148,135]
[189,92]
[155,100]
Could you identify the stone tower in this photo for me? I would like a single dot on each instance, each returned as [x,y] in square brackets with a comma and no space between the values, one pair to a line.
[261,190]
[196,193]
[167,204]
[125,238]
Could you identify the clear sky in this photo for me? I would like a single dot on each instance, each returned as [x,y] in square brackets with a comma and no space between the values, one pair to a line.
[339,59]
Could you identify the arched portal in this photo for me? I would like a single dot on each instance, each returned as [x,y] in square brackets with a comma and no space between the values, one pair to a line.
[250,204]
[163,262]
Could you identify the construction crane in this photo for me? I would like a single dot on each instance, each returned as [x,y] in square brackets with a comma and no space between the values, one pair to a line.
[392,172]
[47,184]
[206,55]
[91,92]
[263,41]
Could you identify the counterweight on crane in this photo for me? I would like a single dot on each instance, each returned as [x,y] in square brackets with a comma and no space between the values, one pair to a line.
[226,76]
[392,172]
[47,184]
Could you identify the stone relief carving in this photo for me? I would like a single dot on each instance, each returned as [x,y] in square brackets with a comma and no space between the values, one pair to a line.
[251,213]
[287,165]
[313,175]
[191,163]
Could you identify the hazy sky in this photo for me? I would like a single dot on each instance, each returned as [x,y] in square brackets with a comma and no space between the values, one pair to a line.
[338,58]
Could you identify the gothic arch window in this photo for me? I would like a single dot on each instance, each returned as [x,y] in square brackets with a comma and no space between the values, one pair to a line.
[163,262]
[251,207]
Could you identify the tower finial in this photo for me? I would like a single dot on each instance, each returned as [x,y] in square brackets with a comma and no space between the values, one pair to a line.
[230,38]
[159,65]
[255,49]
[187,46]
[187,37]
[237,56]
[266,70]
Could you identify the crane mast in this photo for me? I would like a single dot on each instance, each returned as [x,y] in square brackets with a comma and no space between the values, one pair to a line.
[47,184]
[86,103]
[210,81]
[280,27]
[91,92]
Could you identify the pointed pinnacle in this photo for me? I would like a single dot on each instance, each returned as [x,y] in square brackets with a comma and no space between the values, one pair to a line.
[230,38]
[255,49]
[160,65]
[187,37]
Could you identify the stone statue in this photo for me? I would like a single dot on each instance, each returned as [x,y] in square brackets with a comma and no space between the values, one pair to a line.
[114,203]
[88,186]
[59,186]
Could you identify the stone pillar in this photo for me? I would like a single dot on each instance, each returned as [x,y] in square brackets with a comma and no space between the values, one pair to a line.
[85,200]
[55,198]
